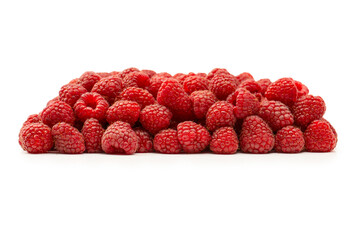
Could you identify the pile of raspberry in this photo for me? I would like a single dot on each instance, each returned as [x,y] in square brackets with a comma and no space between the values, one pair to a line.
[139,111]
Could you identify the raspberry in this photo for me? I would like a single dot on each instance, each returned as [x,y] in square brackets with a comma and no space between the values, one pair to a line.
[302,89]
[155,118]
[195,83]
[224,141]
[167,141]
[150,73]
[256,136]
[193,137]
[116,74]
[67,139]
[88,80]
[172,95]
[139,95]
[217,71]
[119,138]
[232,97]
[264,84]
[35,137]
[202,101]
[127,71]
[155,83]
[276,114]
[222,85]
[57,112]
[91,105]
[92,132]
[108,88]
[319,137]
[70,93]
[33,118]
[103,74]
[123,110]
[74,81]
[283,90]
[53,100]
[332,128]
[244,77]
[204,75]
[136,79]
[246,104]
[145,142]
[250,85]
[307,109]
[220,114]
[180,77]
[289,139]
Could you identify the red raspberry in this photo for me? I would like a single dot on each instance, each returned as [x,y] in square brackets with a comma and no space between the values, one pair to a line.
[217,71]
[136,79]
[139,95]
[123,110]
[264,84]
[276,114]
[167,141]
[35,138]
[250,85]
[220,114]
[195,83]
[70,93]
[244,77]
[180,77]
[150,73]
[319,137]
[103,74]
[116,74]
[202,101]
[289,139]
[57,112]
[204,75]
[307,109]
[172,95]
[164,74]
[108,88]
[332,128]
[119,138]
[91,105]
[224,141]
[88,80]
[53,100]
[246,104]
[283,90]
[92,132]
[127,71]
[256,136]
[74,81]
[67,139]
[222,85]
[302,89]
[33,118]
[232,97]
[193,137]
[155,118]
[155,83]
[145,142]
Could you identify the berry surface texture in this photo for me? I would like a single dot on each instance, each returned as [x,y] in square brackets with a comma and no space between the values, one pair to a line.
[132,111]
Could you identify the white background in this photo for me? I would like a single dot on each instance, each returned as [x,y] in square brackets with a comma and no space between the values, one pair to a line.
[205,196]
